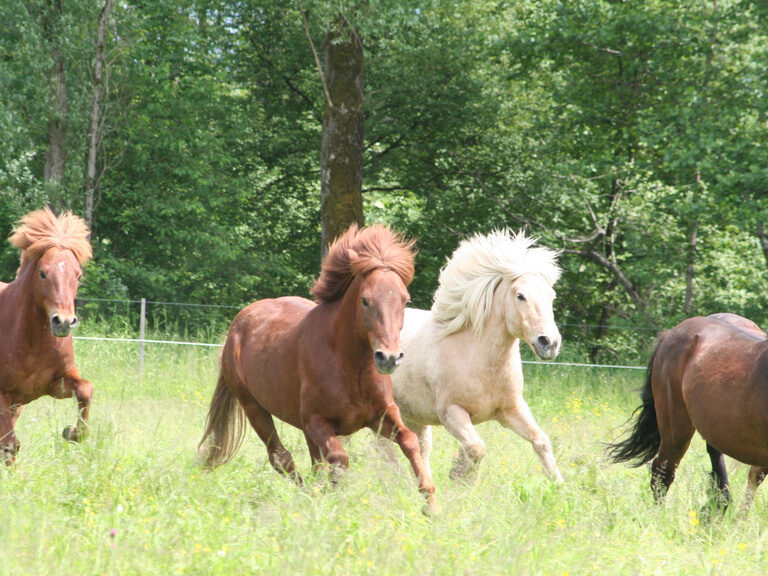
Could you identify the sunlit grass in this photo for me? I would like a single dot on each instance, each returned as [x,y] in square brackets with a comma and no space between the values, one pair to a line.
[131,499]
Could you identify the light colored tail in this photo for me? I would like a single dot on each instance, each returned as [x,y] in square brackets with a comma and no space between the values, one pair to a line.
[224,427]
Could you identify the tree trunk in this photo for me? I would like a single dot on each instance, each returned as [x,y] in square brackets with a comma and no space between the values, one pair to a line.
[341,157]
[689,272]
[95,132]
[763,240]
[58,114]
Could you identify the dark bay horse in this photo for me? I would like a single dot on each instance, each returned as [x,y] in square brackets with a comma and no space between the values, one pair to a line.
[322,367]
[37,314]
[711,375]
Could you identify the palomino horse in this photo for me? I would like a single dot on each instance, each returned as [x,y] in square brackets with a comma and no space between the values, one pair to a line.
[323,368]
[711,375]
[37,313]
[462,360]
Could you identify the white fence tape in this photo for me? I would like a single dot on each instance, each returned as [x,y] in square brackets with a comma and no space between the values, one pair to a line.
[212,345]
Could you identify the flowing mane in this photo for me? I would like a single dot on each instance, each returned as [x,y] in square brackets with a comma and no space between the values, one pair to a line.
[41,230]
[358,252]
[465,295]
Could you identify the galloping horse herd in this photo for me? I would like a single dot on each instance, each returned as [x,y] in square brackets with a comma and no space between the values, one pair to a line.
[357,357]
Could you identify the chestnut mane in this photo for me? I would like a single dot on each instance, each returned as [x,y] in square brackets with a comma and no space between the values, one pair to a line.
[358,252]
[42,230]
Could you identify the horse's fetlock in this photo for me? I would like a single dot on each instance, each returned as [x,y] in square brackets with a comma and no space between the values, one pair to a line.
[475,450]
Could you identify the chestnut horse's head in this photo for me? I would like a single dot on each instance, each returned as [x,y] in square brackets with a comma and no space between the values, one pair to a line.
[374,266]
[53,251]
[381,306]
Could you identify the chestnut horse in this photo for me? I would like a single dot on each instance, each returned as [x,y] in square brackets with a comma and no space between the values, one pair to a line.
[711,375]
[37,313]
[322,367]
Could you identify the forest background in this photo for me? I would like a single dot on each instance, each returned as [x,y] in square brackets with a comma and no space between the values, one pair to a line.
[632,136]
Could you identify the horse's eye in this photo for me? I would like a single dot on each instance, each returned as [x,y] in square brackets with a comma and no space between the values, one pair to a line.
[521,297]
[43,275]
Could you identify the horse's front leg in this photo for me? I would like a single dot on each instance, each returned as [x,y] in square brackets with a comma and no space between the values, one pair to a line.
[83,391]
[9,444]
[391,426]
[459,423]
[521,421]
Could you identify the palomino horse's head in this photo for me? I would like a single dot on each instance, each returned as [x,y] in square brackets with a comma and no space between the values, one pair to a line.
[528,314]
[53,251]
[56,279]
[381,306]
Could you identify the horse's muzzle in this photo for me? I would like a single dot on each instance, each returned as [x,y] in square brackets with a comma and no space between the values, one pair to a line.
[61,326]
[386,363]
[546,348]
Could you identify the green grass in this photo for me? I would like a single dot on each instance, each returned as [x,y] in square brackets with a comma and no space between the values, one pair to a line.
[131,499]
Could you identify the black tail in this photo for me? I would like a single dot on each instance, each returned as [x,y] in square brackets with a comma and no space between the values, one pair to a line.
[644,439]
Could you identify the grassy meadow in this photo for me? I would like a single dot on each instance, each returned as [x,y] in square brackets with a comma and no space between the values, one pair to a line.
[131,499]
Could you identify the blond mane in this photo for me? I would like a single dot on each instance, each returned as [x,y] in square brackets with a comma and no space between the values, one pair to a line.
[464,297]
[358,252]
[42,230]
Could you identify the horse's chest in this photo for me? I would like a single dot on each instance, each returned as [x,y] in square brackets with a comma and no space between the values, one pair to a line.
[26,379]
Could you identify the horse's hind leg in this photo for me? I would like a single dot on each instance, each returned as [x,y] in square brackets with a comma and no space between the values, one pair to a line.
[756,477]
[261,421]
[9,444]
[719,477]
[664,466]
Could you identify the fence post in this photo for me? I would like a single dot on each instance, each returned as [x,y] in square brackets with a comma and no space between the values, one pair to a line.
[142,326]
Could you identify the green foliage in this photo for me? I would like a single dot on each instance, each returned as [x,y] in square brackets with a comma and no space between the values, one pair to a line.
[610,131]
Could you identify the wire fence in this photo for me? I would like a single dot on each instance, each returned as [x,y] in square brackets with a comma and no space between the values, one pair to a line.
[143,340]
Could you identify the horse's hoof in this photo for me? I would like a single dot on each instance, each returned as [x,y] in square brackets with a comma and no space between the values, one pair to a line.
[75,434]
[70,434]
[431,506]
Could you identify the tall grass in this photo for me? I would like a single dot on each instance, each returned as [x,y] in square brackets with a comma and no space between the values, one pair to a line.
[132,500]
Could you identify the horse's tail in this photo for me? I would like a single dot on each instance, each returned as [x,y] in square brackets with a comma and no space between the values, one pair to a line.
[225,426]
[644,438]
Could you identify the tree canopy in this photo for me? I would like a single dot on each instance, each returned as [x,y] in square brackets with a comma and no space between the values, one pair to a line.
[630,136]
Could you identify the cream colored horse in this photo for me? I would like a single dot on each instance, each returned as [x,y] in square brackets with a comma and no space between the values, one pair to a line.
[462,360]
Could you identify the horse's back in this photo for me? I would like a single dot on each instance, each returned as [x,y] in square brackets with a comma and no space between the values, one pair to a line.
[260,354]
[718,366]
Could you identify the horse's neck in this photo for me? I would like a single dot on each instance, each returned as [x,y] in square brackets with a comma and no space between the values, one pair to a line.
[495,345]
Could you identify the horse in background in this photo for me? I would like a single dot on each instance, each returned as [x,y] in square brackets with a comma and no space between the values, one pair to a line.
[708,374]
[322,367]
[37,313]
[462,362]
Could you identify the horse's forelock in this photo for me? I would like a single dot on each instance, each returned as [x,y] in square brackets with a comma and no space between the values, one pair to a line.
[464,296]
[358,252]
[41,230]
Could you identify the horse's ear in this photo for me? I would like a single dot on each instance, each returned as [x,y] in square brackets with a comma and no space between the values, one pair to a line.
[353,255]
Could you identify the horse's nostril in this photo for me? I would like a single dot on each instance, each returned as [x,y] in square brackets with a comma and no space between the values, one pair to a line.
[544,341]
[74,321]
[55,320]
[379,356]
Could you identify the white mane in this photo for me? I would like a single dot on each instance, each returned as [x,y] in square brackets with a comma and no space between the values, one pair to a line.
[480,263]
